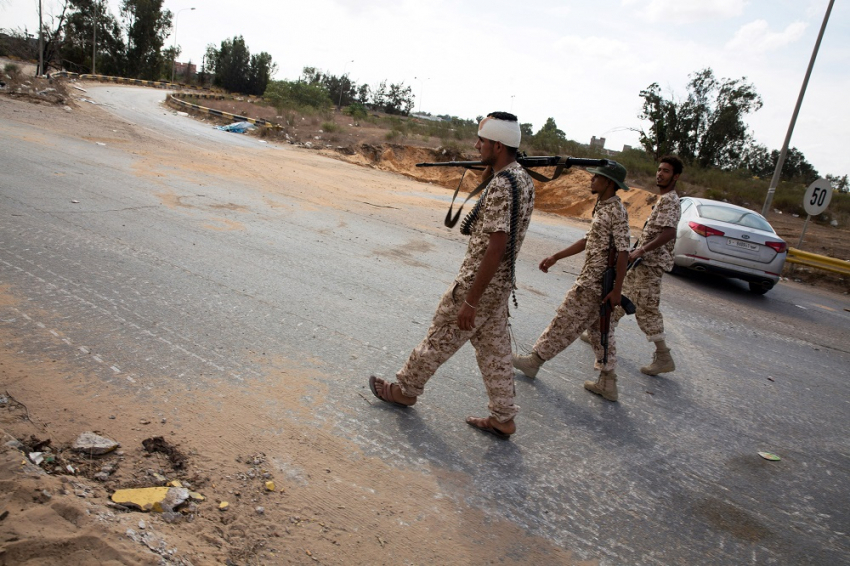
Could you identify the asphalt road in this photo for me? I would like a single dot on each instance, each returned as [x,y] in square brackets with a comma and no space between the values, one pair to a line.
[669,475]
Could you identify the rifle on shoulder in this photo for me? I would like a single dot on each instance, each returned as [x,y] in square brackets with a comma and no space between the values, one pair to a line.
[559,163]
[605,309]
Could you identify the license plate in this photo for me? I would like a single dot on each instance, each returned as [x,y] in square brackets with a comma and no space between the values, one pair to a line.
[742,245]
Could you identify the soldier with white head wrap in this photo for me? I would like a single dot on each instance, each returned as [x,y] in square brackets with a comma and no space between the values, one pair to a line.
[475,306]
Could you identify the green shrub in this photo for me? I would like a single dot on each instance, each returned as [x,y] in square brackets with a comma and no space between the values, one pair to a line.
[356,111]
[297,95]
[330,127]
[12,70]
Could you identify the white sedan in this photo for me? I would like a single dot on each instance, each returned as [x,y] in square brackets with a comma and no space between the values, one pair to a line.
[729,240]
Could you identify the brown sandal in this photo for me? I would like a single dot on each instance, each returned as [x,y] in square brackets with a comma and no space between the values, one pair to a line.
[384,391]
[484,424]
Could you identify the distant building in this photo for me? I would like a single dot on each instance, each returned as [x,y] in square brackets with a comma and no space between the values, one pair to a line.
[185,70]
[598,143]
[627,148]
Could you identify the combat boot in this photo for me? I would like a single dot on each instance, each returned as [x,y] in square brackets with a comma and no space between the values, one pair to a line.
[584,337]
[662,362]
[606,385]
[529,365]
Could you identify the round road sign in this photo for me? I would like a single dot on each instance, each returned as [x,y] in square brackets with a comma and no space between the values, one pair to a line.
[817,197]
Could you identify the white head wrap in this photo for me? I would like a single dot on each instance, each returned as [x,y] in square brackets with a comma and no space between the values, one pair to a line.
[502,131]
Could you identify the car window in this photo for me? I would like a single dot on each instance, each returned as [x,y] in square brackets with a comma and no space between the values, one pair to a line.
[686,204]
[734,216]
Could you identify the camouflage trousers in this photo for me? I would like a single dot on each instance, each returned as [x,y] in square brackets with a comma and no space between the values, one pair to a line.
[643,286]
[490,339]
[579,311]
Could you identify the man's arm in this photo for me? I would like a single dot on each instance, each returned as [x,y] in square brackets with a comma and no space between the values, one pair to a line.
[489,264]
[548,262]
[615,296]
[666,234]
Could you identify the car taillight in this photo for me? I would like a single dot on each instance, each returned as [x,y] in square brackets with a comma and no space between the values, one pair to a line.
[779,247]
[704,231]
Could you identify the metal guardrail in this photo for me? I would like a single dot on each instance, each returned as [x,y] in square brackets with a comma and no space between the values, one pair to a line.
[817,261]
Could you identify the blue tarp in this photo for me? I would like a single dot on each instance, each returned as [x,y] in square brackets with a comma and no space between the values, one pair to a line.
[236,127]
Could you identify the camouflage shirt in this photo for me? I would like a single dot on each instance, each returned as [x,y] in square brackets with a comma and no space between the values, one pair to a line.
[495,216]
[665,214]
[610,222]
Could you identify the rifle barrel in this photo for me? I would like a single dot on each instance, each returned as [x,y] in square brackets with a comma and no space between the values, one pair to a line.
[533,161]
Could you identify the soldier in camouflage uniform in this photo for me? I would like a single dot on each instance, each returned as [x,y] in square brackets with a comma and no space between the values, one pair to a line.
[580,309]
[655,250]
[475,306]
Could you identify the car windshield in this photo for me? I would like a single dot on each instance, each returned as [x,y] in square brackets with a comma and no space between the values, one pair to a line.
[734,216]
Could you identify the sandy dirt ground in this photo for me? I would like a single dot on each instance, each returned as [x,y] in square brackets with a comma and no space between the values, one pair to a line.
[330,504]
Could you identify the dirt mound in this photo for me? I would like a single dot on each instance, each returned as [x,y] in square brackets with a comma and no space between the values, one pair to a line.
[569,195]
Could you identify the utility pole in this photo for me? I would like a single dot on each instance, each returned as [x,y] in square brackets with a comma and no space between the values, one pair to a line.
[94,39]
[174,45]
[40,43]
[777,173]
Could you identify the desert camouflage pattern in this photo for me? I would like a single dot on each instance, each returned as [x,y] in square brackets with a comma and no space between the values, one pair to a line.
[578,311]
[495,216]
[665,214]
[643,286]
[610,219]
[490,337]
[580,308]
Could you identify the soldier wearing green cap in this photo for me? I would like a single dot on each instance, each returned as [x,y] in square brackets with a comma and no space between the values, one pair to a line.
[580,308]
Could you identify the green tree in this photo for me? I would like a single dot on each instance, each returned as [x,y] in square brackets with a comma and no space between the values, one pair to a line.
[526,130]
[234,68]
[839,184]
[260,73]
[707,128]
[147,26]
[549,138]
[762,163]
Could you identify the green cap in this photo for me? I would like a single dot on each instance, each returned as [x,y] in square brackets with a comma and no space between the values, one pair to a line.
[613,171]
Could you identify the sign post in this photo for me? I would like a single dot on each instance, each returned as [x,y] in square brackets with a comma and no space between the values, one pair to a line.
[815,201]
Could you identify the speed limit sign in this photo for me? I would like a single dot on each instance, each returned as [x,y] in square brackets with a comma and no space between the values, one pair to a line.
[817,197]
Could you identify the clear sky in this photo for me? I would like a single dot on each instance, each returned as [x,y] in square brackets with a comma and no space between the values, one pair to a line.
[582,63]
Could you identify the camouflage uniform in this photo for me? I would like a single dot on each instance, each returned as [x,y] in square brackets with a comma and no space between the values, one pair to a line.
[490,336]
[643,282]
[580,308]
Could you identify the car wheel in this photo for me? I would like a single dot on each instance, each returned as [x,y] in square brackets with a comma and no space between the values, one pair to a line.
[759,288]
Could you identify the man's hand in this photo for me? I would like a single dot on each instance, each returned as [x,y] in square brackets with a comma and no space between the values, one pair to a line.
[547,263]
[466,317]
[613,298]
[636,253]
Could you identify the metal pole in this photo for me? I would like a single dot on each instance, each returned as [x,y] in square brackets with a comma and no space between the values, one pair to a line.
[174,44]
[774,182]
[94,40]
[40,43]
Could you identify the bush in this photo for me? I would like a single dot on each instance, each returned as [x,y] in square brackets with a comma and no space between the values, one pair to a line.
[330,127]
[12,70]
[356,111]
[296,95]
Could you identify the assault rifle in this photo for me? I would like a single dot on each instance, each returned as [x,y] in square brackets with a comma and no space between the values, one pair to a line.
[605,309]
[559,163]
